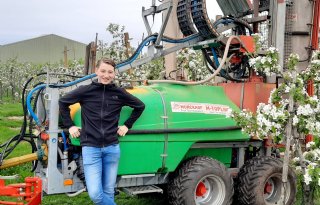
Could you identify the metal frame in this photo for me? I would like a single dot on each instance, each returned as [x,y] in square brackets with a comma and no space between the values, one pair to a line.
[53,178]
[154,10]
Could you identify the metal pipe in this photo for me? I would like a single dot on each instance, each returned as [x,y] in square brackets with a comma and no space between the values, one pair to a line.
[40,155]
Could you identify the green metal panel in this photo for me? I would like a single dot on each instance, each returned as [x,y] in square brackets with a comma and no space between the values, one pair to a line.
[140,158]
[221,154]
[149,153]
[152,117]
[176,153]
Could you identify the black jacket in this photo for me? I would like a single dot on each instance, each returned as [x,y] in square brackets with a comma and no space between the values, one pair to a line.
[100,111]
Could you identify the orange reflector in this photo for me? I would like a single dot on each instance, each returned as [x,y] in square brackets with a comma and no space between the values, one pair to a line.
[68,182]
[44,136]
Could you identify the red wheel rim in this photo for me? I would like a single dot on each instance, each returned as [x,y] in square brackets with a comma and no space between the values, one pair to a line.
[201,189]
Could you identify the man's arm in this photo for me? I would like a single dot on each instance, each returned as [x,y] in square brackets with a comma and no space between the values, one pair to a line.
[64,103]
[138,107]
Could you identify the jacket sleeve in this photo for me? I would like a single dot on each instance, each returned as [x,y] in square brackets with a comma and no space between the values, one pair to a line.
[137,105]
[68,99]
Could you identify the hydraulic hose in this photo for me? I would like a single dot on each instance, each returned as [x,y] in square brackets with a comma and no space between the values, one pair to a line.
[138,50]
[34,116]
[65,146]
[216,72]
[148,40]
[215,57]
[74,82]
[29,107]
[76,193]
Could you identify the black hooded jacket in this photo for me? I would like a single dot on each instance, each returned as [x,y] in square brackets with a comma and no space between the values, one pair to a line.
[100,111]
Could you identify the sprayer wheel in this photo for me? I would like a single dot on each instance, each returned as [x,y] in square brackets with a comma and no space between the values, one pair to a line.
[259,182]
[201,180]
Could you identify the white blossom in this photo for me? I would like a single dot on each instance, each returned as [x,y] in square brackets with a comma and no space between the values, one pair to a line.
[295,120]
[307,178]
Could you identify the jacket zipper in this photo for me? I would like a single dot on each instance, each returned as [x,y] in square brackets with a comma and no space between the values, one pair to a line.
[101,115]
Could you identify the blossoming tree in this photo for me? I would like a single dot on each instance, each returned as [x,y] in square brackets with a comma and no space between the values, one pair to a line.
[289,115]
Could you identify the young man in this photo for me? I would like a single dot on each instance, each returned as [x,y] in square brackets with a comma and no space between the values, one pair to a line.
[101,103]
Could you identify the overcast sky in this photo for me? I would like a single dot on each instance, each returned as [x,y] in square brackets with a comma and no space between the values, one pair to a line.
[78,20]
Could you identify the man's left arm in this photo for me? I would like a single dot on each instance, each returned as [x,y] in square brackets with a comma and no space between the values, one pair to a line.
[137,105]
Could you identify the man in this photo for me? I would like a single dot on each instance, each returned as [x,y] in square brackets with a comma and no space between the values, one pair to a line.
[101,103]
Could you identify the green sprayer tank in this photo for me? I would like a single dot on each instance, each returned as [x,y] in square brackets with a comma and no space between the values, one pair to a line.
[176,117]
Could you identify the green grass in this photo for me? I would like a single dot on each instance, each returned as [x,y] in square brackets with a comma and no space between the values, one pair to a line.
[10,109]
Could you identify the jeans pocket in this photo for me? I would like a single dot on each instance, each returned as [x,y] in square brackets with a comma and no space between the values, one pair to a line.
[113,151]
[91,155]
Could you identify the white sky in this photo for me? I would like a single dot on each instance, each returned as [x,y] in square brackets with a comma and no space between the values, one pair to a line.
[78,20]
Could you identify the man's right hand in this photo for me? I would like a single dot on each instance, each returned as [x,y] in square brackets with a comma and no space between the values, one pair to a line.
[74,131]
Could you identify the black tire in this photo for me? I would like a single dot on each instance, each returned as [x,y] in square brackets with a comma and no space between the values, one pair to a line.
[259,182]
[201,181]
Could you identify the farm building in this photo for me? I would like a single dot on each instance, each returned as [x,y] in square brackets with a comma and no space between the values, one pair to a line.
[44,49]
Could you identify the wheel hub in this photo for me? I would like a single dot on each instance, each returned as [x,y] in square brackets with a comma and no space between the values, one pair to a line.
[210,191]
[268,188]
[201,189]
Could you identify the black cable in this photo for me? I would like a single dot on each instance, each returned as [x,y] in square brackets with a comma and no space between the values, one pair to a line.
[35,148]
[208,59]
[213,65]
[239,22]
[18,138]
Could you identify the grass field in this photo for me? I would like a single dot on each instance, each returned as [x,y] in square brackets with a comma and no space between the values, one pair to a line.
[10,123]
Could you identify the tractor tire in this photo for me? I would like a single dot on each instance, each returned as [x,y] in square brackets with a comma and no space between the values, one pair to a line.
[259,182]
[201,181]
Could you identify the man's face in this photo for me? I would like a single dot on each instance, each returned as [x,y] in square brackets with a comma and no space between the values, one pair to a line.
[105,73]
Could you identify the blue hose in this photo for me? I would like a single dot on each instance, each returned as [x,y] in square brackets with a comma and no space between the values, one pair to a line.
[215,57]
[29,107]
[65,147]
[76,81]
[153,38]
[132,58]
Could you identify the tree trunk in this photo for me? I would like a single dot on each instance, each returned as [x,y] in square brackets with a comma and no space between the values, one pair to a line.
[307,194]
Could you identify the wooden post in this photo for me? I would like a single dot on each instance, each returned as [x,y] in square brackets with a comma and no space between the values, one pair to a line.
[128,52]
[94,54]
[65,55]
[90,58]
[127,44]
[256,14]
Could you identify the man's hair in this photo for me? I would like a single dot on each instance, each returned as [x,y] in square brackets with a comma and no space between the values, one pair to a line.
[106,61]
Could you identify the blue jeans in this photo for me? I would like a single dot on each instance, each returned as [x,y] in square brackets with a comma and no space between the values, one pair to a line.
[100,169]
